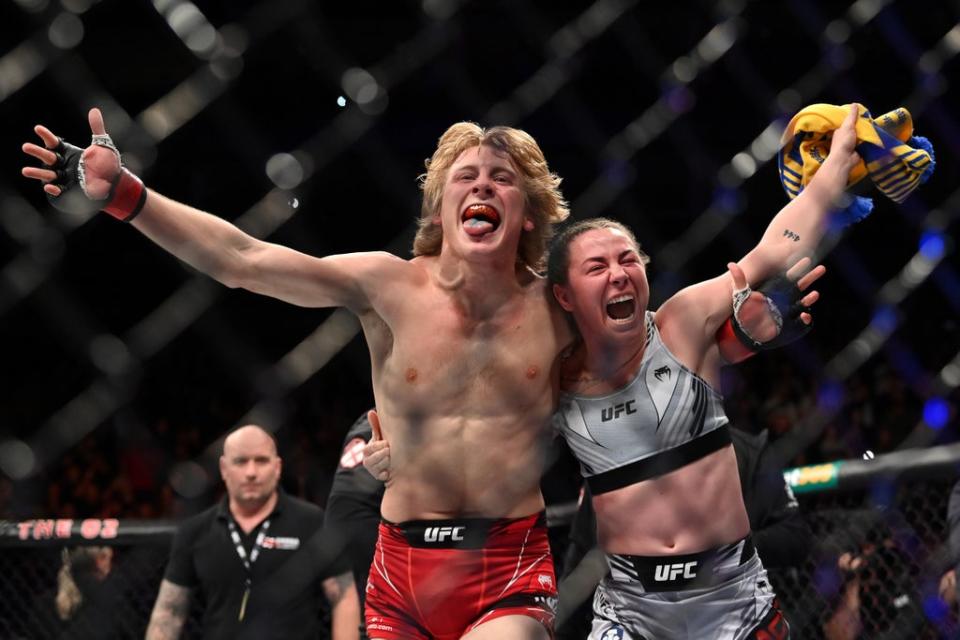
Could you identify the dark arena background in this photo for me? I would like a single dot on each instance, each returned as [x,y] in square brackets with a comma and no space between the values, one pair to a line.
[307,123]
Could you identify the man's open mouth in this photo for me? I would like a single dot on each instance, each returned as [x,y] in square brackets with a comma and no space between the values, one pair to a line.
[622,307]
[480,219]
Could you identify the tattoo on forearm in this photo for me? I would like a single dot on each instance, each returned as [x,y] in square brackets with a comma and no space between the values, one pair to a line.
[790,234]
[336,587]
[169,612]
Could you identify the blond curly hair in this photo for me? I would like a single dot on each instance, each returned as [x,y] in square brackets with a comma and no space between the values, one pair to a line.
[541,188]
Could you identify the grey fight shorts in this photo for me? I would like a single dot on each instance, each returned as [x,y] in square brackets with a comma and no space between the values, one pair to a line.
[720,594]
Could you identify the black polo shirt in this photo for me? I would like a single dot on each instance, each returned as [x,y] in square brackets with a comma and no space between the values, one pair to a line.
[286,595]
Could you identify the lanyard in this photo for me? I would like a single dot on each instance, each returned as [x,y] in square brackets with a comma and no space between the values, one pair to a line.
[247,562]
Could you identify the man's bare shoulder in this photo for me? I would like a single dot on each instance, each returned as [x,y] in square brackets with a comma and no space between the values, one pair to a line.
[384,265]
[383,259]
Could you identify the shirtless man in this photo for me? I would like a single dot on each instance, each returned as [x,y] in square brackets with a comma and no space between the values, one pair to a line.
[641,411]
[463,343]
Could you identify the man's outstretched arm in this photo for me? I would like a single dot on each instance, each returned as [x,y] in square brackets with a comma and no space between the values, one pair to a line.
[213,245]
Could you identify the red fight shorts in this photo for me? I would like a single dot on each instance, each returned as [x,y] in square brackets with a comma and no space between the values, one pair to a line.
[438,579]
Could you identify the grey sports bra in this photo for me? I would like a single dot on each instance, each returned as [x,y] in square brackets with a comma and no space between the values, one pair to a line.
[664,419]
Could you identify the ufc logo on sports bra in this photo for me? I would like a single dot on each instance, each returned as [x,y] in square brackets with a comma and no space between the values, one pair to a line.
[617,410]
[669,572]
[439,534]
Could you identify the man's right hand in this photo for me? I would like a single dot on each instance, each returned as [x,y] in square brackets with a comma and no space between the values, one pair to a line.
[85,180]
[376,454]
[101,164]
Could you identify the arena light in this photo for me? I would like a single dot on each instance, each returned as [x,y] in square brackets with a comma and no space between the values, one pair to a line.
[360,85]
[66,31]
[863,11]
[21,65]
[33,6]
[191,26]
[744,165]
[285,170]
[936,413]
[110,354]
[683,69]
[184,102]
[837,32]
[951,41]
[950,374]
[17,459]
[766,145]
[718,41]
[932,245]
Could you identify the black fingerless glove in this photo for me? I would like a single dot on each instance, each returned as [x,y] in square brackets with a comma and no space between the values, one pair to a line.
[783,295]
[127,192]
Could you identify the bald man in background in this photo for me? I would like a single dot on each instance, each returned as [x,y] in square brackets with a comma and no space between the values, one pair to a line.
[259,558]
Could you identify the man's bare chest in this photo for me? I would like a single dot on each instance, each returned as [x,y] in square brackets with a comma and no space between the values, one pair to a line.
[443,354]
[478,348]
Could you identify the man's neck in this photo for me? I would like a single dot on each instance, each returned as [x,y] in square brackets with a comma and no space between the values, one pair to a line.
[482,287]
[250,514]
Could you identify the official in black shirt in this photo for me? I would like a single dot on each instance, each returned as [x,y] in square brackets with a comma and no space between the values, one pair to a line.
[260,560]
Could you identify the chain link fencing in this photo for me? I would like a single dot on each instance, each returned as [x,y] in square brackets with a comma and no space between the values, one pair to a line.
[117,594]
[877,559]
[897,532]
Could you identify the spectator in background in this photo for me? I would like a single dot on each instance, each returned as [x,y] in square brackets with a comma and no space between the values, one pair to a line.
[878,598]
[87,596]
[260,558]
[948,582]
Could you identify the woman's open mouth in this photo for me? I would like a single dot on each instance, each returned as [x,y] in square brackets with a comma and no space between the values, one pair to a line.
[622,308]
